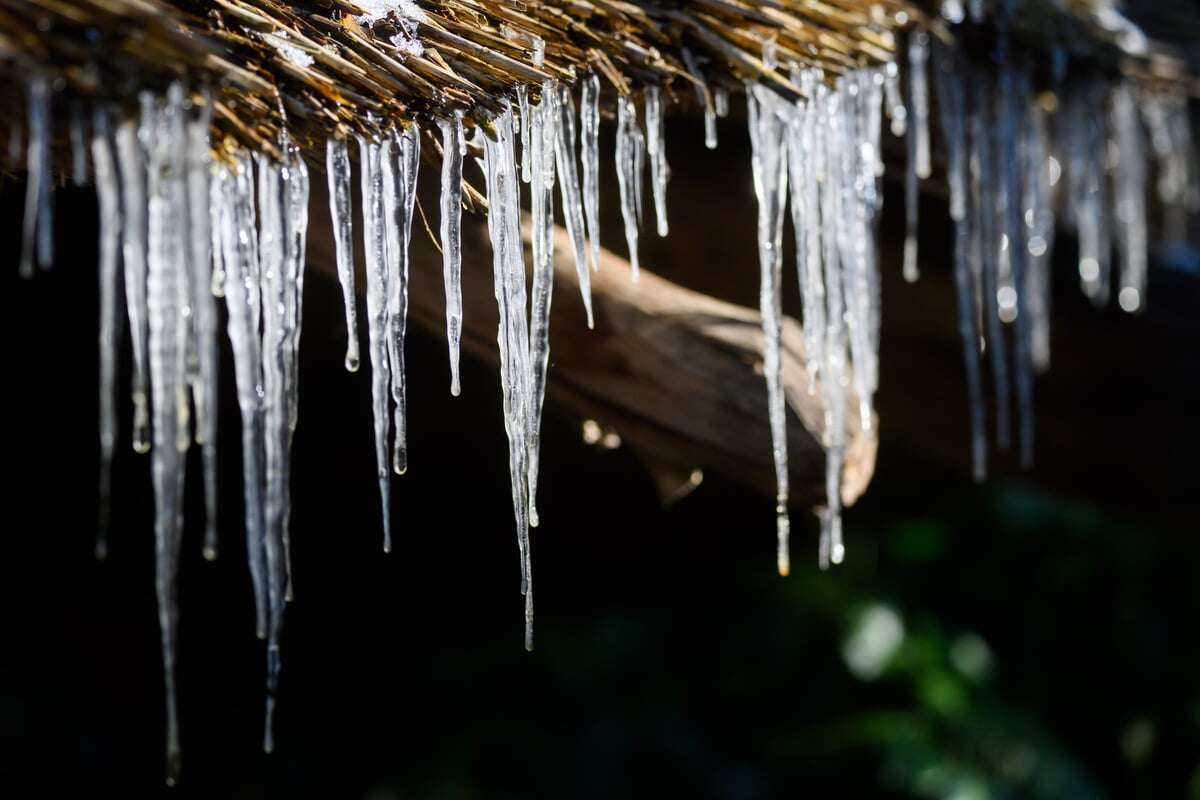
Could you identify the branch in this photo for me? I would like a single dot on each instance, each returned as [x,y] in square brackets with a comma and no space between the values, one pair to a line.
[678,374]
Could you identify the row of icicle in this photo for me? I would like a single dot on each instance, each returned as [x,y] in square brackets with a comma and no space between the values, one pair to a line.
[180,229]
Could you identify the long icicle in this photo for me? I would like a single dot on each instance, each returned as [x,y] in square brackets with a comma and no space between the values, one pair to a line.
[828,144]
[337,171]
[232,194]
[568,181]
[546,140]
[295,228]
[377,322]
[409,162]
[166,297]
[768,129]
[952,102]
[1013,99]
[513,334]
[987,249]
[451,236]
[271,180]
[205,374]
[109,192]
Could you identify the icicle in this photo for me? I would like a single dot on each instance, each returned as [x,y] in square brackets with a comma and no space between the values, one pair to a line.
[952,102]
[721,101]
[275,357]
[400,196]
[526,144]
[986,247]
[79,145]
[45,212]
[802,182]
[918,58]
[549,146]
[918,146]
[37,181]
[377,319]
[829,141]
[204,377]
[568,181]
[451,236]
[1086,166]
[1130,202]
[1012,101]
[639,168]
[589,122]
[768,128]
[856,195]
[233,213]
[627,147]
[130,161]
[896,110]
[704,97]
[513,335]
[656,143]
[1178,184]
[1039,219]
[166,296]
[295,221]
[337,170]
[109,191]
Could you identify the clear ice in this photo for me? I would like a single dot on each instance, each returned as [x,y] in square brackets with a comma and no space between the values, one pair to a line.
[768,132]
[108,190]
[450,234]
[337,172]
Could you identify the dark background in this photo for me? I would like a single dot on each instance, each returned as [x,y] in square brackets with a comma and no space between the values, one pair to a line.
[1050,619]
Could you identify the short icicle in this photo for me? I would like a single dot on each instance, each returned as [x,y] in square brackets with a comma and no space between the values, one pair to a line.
[38,236]
[1130,201]
[131,164]
[917,140]
[337,172]
[629,141]
[703,96]
[589,123]
[568,181]
[76,132]
[656,144]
